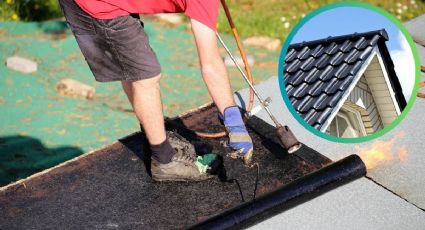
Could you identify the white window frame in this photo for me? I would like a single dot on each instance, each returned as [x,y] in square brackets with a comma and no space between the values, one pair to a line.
[358,117]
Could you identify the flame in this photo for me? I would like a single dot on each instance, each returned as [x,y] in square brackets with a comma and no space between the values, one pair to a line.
[381,152]
[402,153]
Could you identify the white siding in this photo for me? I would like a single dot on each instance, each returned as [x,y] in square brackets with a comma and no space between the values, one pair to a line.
[368,109]
[372,97]
[381,93]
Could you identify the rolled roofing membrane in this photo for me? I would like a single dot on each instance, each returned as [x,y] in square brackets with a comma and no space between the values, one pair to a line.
[295,193]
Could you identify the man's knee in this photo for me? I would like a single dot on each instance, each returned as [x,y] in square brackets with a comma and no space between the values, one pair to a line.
[149,82]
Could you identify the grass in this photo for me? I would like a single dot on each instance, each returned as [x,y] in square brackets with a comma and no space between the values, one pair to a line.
[29,10]
[275,18]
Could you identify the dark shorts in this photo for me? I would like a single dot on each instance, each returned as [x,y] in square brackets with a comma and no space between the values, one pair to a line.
[115,49]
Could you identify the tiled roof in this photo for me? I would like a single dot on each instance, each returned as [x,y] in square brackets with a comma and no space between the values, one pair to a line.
[318,73]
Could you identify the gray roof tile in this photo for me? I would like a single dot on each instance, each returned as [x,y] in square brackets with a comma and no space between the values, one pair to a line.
[317,73]
[307,64]
[361,44]
[366,53]
[311,76]
[331,48]
[374,40]
[342,71]
[317,52]
[356,67]
[294,66]
[322,61]
[331,86]
[352,56]
[327,73]
[337,59]
[308,116]
[304,54]
[316,89]
[291,55]
[346,46]
[322,102]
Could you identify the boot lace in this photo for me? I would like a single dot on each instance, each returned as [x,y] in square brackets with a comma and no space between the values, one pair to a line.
[182,155]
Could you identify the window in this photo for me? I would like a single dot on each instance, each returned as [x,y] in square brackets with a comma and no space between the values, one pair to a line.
[347,123]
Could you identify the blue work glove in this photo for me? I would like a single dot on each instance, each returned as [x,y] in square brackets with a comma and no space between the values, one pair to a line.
[239,139]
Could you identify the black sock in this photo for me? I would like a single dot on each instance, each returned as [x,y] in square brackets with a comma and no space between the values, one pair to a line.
[163,152]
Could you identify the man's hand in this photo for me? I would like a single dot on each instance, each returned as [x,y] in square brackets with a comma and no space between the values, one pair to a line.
[239,139]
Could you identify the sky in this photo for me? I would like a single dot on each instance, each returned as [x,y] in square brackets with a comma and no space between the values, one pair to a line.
[348,20]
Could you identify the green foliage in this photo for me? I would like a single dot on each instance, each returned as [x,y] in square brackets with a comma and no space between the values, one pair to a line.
[7,11]
[275,18]
[29,10]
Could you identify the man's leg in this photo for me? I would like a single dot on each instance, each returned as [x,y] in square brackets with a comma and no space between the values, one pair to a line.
[167,164]
[145,97]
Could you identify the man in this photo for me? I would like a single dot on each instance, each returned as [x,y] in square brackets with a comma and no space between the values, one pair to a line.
[112,39]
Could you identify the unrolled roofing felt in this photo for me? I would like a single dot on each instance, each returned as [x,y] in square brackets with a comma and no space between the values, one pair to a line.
[318,73]
[111,188]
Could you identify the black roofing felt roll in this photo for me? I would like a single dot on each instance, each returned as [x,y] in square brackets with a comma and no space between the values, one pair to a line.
[288,196]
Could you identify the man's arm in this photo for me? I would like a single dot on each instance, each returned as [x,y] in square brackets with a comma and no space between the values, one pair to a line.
[215,76]
[212,67]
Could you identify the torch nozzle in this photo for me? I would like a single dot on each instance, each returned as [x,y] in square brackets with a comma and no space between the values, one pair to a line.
[288,139]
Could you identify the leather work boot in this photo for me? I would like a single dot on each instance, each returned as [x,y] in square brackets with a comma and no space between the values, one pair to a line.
[182,166]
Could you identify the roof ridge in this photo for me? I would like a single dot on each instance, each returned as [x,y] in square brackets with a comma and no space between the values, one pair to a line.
[382,32]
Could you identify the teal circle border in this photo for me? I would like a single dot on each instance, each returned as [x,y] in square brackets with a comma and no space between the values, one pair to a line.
[310,16]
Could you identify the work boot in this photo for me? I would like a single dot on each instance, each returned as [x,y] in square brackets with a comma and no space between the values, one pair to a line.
[182,166]
[239,140]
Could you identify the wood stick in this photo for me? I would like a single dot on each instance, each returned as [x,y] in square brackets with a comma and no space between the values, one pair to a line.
[422,95]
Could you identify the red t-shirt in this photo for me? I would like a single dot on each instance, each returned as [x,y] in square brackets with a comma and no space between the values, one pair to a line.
[204,11]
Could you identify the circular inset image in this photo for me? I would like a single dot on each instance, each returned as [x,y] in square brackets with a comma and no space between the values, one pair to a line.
[348,72]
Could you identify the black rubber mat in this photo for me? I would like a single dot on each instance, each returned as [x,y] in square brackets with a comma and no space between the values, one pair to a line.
[111,188]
